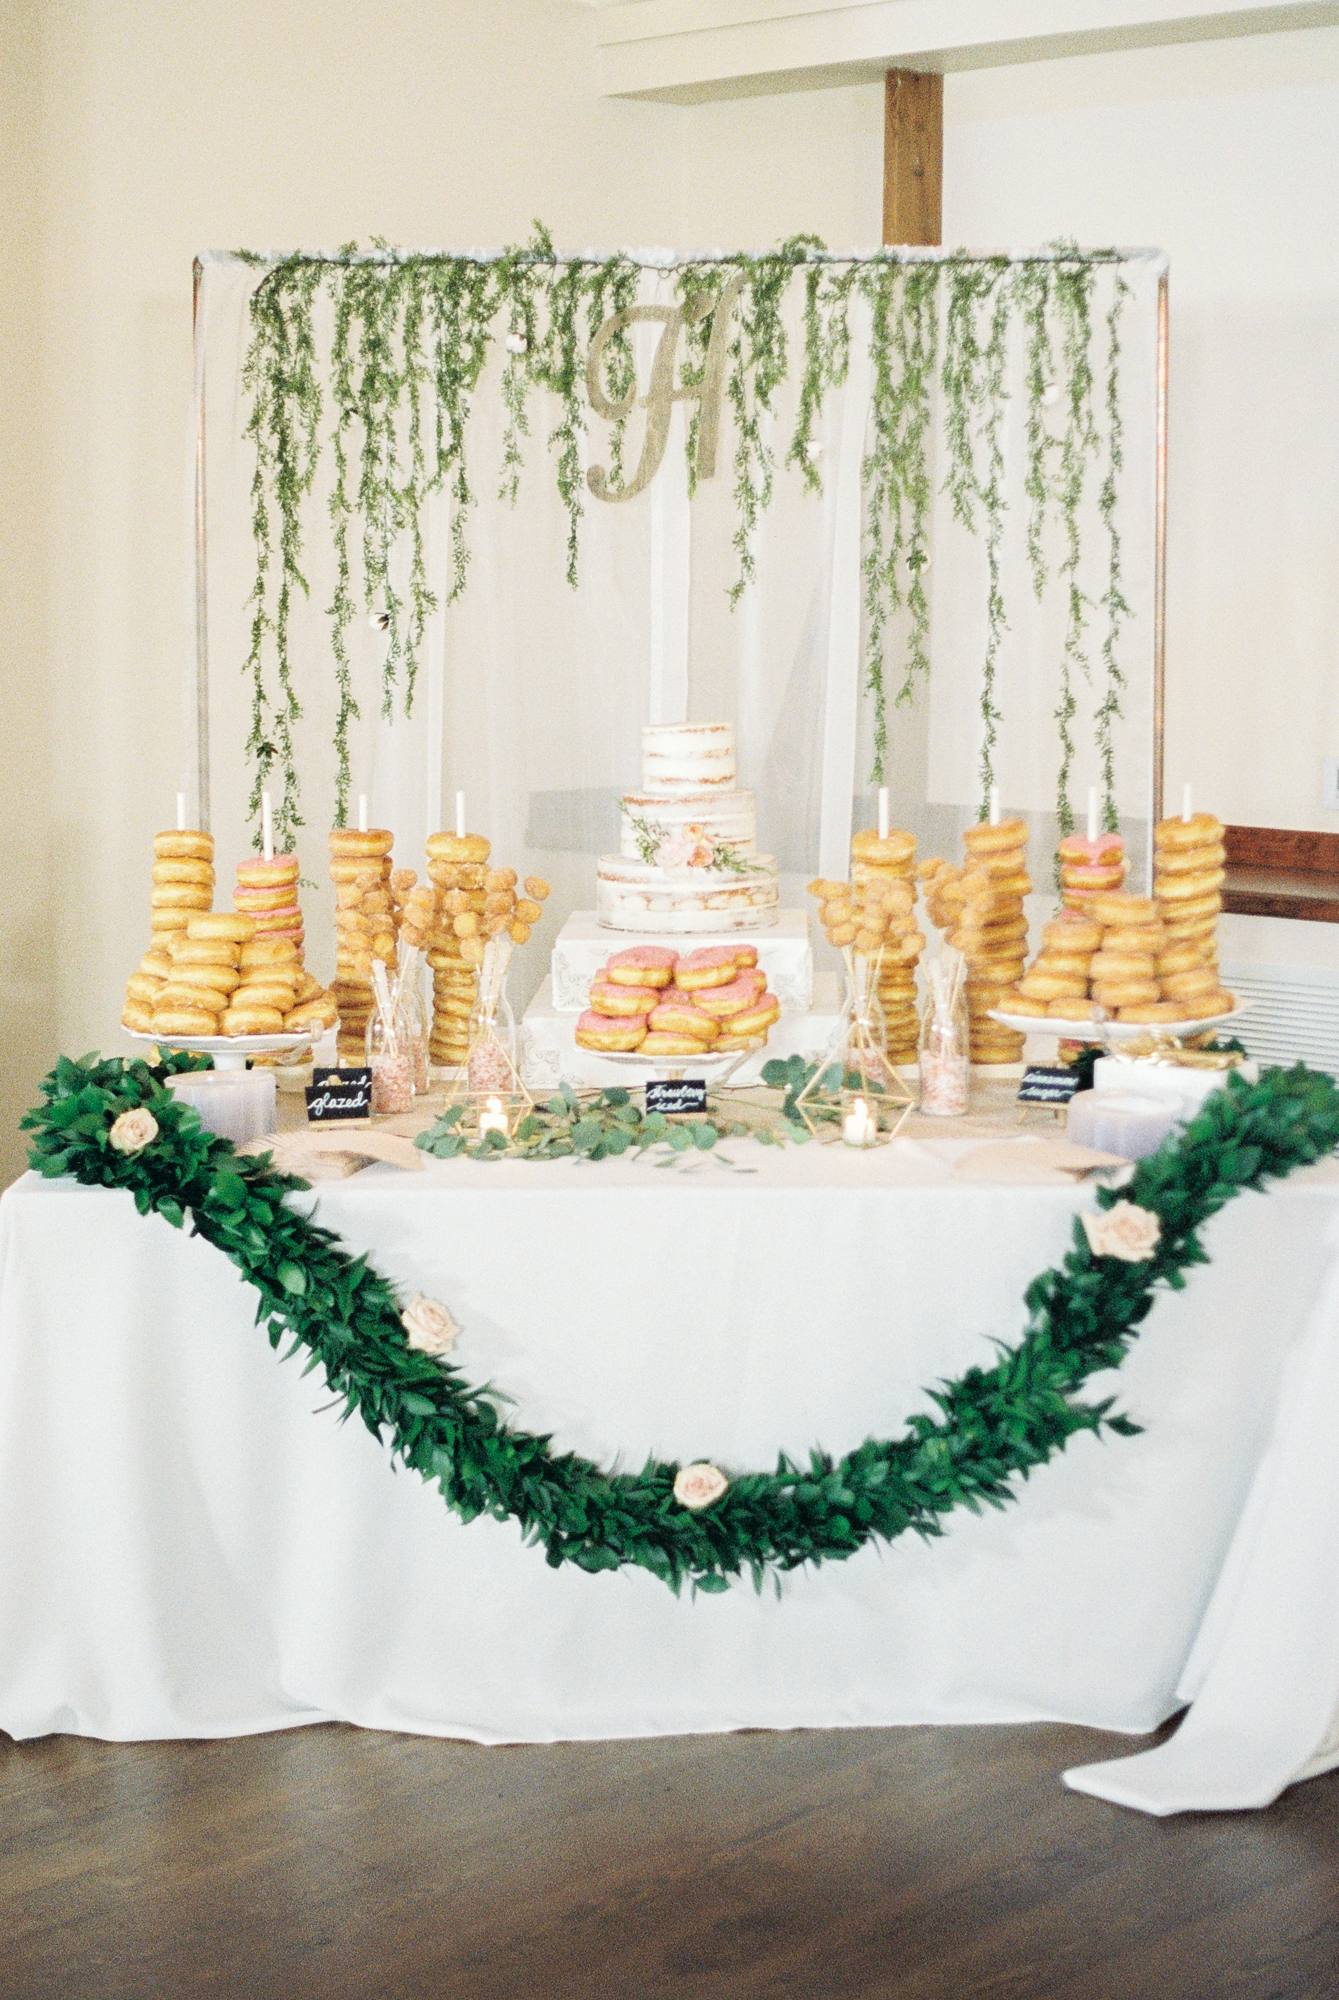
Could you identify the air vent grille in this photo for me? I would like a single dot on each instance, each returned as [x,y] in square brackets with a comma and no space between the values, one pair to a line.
[1294,1013]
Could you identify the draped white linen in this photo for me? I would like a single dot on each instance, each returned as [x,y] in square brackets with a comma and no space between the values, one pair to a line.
[532,693]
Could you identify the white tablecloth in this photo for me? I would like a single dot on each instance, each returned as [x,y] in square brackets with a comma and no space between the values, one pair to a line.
[187,1550]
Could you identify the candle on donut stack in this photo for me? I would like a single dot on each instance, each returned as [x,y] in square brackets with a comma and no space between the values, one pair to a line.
[663,1003]
[457,866]
[980,907]
[182,883]
[883,879]
[360,868]
[1188,871]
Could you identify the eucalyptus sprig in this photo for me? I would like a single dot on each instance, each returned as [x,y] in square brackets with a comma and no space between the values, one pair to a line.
[600,1127]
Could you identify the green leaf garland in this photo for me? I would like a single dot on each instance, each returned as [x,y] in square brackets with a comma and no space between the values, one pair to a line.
[989,1424]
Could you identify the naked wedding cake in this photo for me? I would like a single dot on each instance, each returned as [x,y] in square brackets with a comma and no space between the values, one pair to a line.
[688,859]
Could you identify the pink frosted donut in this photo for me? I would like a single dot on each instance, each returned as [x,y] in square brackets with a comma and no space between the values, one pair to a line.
[643,965]
[1107,847]
[268,921]
[258,873]
[680,1017]
[745,955]
[1099,875]
[736,998]
[714,965]
[608,998]
[599,1031]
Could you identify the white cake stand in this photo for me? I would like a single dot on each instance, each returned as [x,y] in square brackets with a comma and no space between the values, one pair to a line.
[716,1069]
[1113,1031]
[232,1051]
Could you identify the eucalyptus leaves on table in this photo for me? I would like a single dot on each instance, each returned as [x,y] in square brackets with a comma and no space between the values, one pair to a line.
[390,396]
[986,1427]
[600,1127]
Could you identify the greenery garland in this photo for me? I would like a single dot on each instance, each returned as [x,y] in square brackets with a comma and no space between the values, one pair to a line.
[989,1424]
[411,333]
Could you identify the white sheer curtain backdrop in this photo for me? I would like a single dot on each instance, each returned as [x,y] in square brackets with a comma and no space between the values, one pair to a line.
[531,694]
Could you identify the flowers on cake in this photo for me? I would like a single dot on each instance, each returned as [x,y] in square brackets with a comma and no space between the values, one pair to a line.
[1124,1230]
[133,1131]
[429,1326]
[696,1486]
[692,846]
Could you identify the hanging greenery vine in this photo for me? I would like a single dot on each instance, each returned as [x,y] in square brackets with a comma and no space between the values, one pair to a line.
[113,1124]
[375,360]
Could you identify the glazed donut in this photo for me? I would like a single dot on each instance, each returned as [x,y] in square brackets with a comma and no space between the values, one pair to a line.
[998,972]
[1157,1010]
[158,964]
[607,998]
[1073,932]
[1004,889]
[1117,906]
[1191,984]
[183,846]
[739,997]
[1200,830]
[180,896]
[321,1013]
[232,925]
[267,951]
[287,918]
[1173,889]
[459,1007]
[713,965]
[254,901]
[183,871]
[681,1017]
[1219,1002]
[999,864]
[307,988]
[1118,993]
[1146,940]
[1193,911]
[1077,1010]
[346,869]
[187,950]
[1180,958]
[1113,963]
[281,972]
[1189,860]
[889,851]
[1021,1003]
[1080,852]
[343,841]
[184,1021]
[164,923]
[459,847]
[141,987]
[262,993]
[1040,985]
[1062,964]
[756,1020]
[205,978]
[598,1031]
[252,1021]
[1094,877]
[138,1017]
[987,839]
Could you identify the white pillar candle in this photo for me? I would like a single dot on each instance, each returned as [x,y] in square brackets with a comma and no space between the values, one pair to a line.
[1187,804]
[494,1119]
[883,812]
[362,812]
[460,815]
[236,1104]
[181,812]
[1092,813]
[860,1128]
[994,805]
[266,827]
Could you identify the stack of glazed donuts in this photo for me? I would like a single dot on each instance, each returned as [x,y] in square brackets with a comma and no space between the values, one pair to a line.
[659,1003]
[980,908]
[1188,869]
[268,892]
[1058,979]
[183,880]
[1119,958]
[360,868]
[457,866]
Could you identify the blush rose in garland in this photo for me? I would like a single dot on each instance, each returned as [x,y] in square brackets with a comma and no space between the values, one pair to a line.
[391,1363]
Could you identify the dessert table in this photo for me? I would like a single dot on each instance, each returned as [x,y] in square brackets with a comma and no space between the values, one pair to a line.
[194,1545]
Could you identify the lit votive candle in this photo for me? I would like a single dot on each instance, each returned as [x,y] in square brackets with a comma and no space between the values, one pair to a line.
[860,1128]
[494,1118]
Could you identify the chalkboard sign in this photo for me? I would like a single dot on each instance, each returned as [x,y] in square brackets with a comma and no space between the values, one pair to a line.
[674,1099]
[335,1094]
[1049,1086]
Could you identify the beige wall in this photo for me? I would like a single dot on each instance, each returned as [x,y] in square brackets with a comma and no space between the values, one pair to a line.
[137,132]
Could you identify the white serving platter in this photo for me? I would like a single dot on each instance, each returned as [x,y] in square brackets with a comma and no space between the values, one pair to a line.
[675,1068]
[1112,1031]
[231,1051]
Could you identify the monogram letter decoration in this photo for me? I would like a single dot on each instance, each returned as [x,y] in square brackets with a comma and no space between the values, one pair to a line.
[662,393]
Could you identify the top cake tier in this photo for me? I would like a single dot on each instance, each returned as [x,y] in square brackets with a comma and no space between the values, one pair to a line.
[688,756]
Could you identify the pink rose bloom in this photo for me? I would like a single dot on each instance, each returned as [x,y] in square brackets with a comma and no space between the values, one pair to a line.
[1123,1231]
[429,1326]
[704,855]
[696,1486]
[133,1131]
[676,851]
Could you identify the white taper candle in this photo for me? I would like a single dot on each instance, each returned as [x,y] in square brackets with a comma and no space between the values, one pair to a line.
[1092,812]
[883,812]
[266,827]
[362,812]
[1187,804]
[460,815]
[181,812]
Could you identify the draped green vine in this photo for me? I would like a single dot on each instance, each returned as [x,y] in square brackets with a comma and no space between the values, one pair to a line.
[362,372]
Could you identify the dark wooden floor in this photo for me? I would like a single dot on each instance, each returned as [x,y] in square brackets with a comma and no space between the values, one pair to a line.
[930,1864]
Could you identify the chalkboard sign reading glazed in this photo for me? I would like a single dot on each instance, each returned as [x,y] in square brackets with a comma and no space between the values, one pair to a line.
[1048,1086]
[676,1099]
[335,1094]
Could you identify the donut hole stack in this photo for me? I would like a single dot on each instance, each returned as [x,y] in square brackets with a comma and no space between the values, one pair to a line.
[980,909]
[883,879]
[197,996]
[457,866]
[1188,870]
[360,868]
[183,883]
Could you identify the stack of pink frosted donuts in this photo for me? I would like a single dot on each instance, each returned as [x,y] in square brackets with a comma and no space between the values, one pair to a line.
[267,892]
[658,1002]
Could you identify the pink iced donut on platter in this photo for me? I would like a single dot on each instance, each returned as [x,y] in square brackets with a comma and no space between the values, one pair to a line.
[680,1017]
[643,965]
[746,955]
[599,1031]
[714,965]
[749,990]
[607,998]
